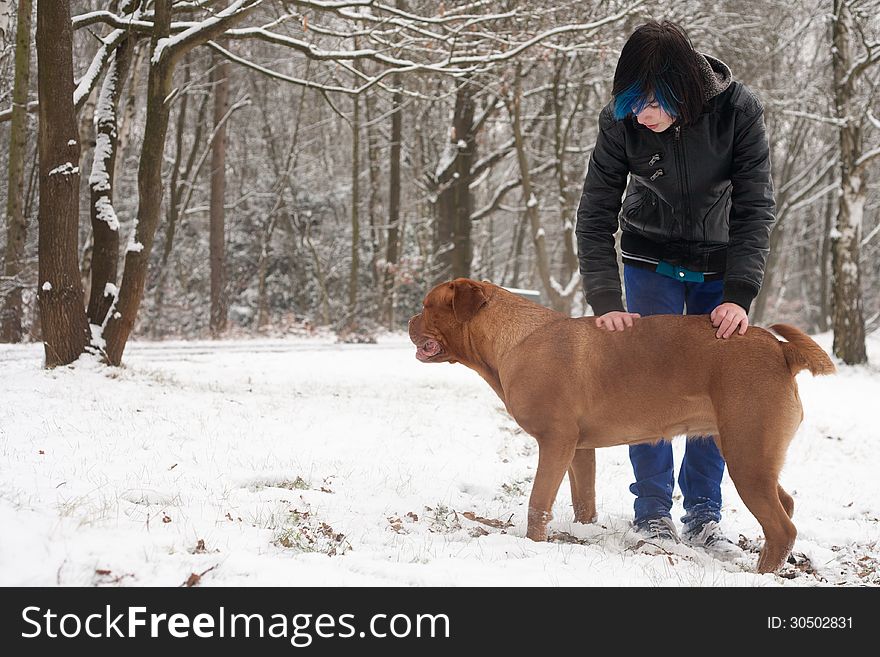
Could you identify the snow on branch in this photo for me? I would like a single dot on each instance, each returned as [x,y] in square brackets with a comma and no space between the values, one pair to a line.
[369,81]
[872,56]
[815,117]
[105,136]
[866,157]
[203,31]
[87,82]
[113,20]
[334,55]
[543,36]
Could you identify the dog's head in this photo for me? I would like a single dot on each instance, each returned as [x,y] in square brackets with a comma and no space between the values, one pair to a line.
[437,330]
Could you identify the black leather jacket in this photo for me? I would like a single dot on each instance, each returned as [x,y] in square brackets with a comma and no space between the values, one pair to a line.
[699,196]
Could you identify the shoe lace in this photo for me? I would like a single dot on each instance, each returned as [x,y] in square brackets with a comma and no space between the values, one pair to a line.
[659,526]
[710,534]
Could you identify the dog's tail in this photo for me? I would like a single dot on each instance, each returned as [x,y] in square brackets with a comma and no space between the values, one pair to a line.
[802,353]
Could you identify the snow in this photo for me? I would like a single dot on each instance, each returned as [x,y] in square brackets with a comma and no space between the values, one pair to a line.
[161,44]
[254,456]
[172,42]
[47,286]
[137,247]
[71,142]
[99,178]
[446,159]
[532,202]
[573,284]
[106,213]
[66,169]
[97,336]
[85,84]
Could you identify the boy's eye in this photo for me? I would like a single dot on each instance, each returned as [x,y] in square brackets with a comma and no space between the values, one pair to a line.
[653,105]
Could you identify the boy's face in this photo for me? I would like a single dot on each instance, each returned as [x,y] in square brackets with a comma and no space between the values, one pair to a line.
[653,116]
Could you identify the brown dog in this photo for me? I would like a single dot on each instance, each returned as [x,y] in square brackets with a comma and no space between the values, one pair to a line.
[574,387]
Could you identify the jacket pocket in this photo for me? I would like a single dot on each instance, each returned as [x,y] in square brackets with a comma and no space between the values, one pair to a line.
[633,203]
[716,220]
[646,215]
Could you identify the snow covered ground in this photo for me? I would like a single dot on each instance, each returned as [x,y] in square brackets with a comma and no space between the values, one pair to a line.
[306,462]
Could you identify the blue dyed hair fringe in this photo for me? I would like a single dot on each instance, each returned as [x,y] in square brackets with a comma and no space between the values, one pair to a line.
[633,99]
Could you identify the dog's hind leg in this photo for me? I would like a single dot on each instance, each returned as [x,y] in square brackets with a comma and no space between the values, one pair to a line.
[787,501]
[754,462]
[555,453]
[582,477]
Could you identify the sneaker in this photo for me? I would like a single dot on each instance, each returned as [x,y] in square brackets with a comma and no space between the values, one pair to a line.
[661,528]
[709,535]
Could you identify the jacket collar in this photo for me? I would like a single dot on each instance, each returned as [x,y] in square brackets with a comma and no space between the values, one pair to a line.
[716,75]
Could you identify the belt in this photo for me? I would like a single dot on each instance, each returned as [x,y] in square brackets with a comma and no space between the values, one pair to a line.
[679,273]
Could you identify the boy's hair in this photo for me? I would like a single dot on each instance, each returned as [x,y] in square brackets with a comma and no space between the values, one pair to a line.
[658,61]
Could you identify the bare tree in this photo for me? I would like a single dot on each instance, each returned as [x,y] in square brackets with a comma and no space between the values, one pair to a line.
[166,52]
[217,257]
[849,66]
[392,242]
[16,224]
[105,224]
[65,328]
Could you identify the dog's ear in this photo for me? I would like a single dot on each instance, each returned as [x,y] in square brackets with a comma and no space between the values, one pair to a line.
[467,298]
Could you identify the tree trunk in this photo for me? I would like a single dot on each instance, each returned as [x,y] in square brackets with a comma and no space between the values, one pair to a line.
[126,116]
[848,319]
[16,225]
[163,59]
[60,293]
[557,301]
[120,322]
[177,197]
[389,271]
[105,224]
[355,198]
[262,270]
[824,305]
[373,196]
[219,301]
[516,250]
[455,201]
[568,196]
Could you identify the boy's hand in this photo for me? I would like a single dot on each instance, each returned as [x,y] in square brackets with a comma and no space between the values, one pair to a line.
[616,320]
[727,317]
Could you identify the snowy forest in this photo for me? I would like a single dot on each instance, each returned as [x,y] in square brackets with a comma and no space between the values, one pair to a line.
[225,168]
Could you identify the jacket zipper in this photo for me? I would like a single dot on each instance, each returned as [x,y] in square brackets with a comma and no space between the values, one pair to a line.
[685,192]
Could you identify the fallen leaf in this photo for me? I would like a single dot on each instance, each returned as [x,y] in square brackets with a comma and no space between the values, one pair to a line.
[497,524]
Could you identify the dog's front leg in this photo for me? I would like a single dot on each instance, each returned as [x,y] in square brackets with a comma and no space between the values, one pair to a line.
[582,477]
[554,457]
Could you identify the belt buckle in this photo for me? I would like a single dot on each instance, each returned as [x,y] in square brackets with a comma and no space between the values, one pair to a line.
[679,273]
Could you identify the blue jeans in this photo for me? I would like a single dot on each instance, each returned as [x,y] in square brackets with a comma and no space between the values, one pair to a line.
[650,293]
